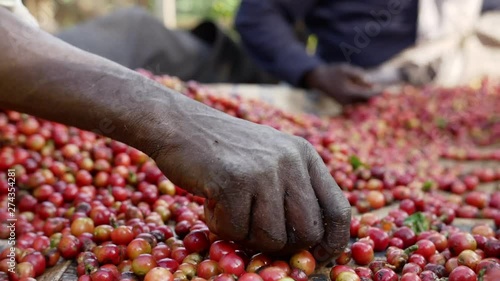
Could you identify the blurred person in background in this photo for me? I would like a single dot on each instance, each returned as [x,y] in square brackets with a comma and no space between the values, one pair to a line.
[134,38]
[362,46]
[265,189]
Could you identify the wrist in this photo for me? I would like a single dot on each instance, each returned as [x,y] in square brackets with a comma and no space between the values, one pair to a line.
[313,78]
[152,127]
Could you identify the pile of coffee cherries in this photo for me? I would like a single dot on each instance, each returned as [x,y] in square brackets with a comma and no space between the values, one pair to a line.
[420,243]
[107,207]
[395,140]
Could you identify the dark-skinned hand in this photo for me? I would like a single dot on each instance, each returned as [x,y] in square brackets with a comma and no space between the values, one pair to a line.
[345,83]
[267,190]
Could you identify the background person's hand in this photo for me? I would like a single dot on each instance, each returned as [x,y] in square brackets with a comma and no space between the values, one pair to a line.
[345,83]
[267,190]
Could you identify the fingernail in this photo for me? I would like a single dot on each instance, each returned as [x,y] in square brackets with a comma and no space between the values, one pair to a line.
[322,253]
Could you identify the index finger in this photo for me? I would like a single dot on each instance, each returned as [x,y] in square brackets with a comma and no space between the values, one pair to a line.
[335,209]
[357,94]
[357,75]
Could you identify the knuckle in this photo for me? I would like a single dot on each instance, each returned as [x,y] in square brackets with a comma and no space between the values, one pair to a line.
[276,244]
[229,194]
[308,233]
[211,189]
[232,188]
[226,222]
[302,141]
[267,241]
[314,236]
[304,146]
[229,175]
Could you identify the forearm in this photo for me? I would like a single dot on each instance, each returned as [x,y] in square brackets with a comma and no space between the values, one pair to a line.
[276,49]
[43,76]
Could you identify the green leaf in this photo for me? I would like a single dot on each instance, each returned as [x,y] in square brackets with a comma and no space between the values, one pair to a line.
[480,276]
[428,186]
[355,162]
[411,249]
[418,222]
[441,122]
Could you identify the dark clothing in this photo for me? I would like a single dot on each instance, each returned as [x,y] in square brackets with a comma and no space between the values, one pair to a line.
[135,39]
[360,32]
[490,5]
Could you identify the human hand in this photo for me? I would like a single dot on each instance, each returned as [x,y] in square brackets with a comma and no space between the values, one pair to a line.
[265,189]
[345,83]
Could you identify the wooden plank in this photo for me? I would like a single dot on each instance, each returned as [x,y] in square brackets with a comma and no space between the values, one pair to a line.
[466,224]
[55,273]
[70,273]
[489,187]
[3,244]
[382,212]
[469,166]
[169,13]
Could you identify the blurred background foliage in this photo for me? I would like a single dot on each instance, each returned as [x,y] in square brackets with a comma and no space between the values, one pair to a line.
[222,11]
[54,15]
